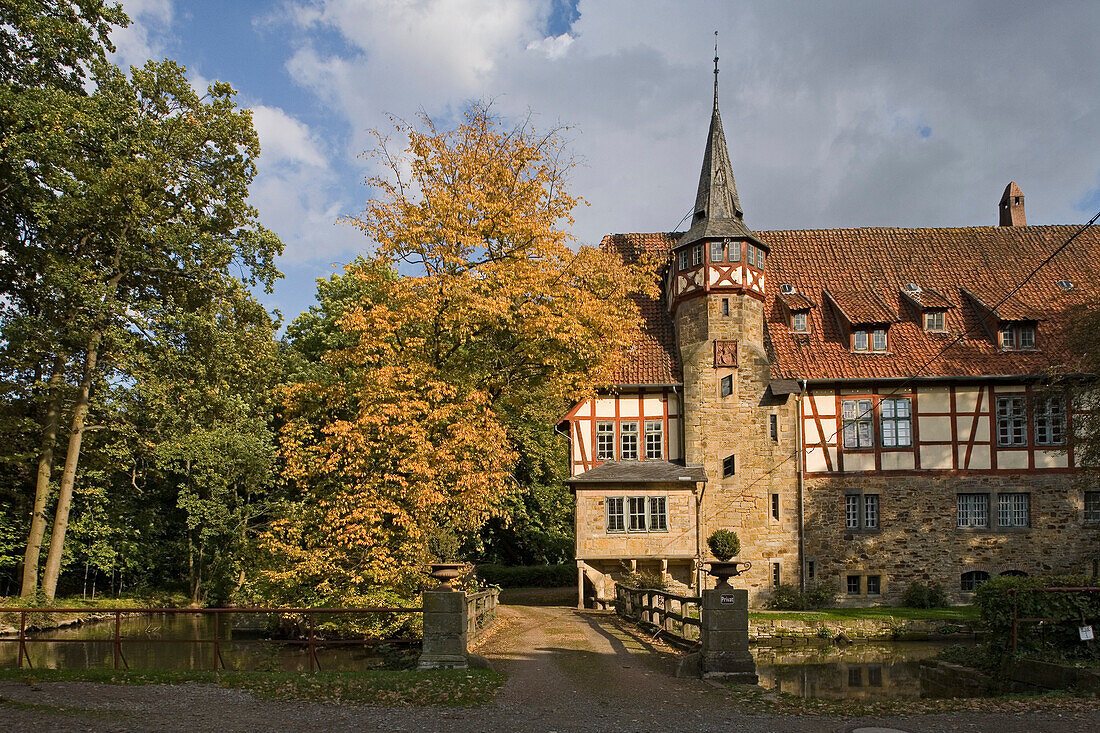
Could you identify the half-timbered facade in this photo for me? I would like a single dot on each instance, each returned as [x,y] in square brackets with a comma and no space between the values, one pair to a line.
[865,407]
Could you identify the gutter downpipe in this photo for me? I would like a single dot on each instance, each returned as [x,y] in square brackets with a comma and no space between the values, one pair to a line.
[801,493]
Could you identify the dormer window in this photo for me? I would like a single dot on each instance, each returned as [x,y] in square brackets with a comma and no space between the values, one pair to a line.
[1014,336]
[935,321]
[869,340]
[800,322]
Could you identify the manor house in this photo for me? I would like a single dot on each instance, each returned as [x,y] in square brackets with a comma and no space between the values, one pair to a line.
[864,407]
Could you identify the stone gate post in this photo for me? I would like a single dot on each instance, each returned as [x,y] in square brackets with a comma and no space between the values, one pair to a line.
[724,627]
[444,630]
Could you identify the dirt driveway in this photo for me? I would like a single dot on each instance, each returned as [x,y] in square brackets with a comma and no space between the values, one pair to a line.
[568,671]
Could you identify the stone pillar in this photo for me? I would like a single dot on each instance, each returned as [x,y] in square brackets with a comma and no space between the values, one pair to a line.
[444,630]
[724,630]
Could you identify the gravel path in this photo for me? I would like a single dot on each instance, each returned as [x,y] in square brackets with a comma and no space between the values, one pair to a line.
[568,671]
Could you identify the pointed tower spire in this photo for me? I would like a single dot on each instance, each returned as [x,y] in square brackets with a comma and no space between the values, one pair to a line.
[717,208]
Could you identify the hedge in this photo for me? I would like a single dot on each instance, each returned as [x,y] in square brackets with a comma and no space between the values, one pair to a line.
[528,576]
[995,605]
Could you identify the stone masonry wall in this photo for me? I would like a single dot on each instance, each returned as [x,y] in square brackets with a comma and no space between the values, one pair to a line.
[918,539]
[739,425]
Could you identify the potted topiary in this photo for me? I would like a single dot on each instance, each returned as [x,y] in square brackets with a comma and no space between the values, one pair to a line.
[445,546]
[724,545]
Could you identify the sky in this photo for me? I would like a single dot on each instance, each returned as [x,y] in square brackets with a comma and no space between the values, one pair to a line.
[839,114]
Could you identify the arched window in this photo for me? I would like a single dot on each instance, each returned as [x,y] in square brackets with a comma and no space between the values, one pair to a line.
[972,579]
[1014,574]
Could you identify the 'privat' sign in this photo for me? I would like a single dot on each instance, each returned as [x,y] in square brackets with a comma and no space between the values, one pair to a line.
[729,599]
[1085,632]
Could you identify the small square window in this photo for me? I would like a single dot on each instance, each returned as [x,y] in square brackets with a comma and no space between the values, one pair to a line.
[874,585]
[800,322]
[934,321]
[853,585]
[728,467]
[1092,507]
[725,386]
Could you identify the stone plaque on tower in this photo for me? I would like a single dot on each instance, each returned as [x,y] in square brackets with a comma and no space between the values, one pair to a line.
[725,354]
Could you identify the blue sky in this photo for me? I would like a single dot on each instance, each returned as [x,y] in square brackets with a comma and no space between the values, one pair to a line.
[838,114]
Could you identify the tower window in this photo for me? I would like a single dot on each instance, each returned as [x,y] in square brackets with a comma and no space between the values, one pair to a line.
[734,251]
[775,506]
[725,386]
[773,427]
[760,258]
[725,306]
[717,252]
[775,574]
[750,253]
[697,255]
[728,467]
[683,259]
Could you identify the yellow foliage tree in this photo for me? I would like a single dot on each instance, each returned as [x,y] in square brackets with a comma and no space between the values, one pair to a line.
[405,433]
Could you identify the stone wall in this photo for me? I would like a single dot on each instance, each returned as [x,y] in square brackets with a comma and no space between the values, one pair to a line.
[739,425]
[918,539]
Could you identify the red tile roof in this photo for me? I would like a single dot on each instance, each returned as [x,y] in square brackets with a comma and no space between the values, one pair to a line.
[857,264]
[861,306]
[654,357]
[796,301]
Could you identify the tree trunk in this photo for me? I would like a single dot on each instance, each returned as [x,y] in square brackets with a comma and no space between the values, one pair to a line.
[68,475]
[42,485]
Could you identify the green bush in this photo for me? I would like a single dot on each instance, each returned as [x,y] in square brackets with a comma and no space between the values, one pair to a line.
[1059,637]
[790,598]
[528,576]
[919,595]
[644,579]
[724,544]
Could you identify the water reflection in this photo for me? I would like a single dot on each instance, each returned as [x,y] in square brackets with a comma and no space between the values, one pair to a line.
[145,645]
[861,671]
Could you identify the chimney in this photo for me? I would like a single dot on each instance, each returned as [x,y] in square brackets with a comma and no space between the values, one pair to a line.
[1012,207]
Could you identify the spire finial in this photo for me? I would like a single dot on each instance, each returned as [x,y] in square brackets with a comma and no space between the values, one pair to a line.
[716,69]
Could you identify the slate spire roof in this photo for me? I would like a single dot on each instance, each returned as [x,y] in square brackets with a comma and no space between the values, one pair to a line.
[718,210]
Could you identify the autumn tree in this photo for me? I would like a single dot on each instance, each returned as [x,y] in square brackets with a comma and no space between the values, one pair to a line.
[407,438]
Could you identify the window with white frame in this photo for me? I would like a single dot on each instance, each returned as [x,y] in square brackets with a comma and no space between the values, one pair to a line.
[896,420]
[1016,336]
[605,440]
[1013,510]
[1008,337]
[658,514]
[684,264]
[750,255]
[861,512]
[733,251]
[859,341]
[935,321]
[878,339]
[856,420]
[616,515]
[759,258]
[654,439]
[1025,337]
[1050,420]
[972,511]
[637,513]
[1011,420]
[628,441]
[697,255]
[1092,507]
[800,322]
[717,252]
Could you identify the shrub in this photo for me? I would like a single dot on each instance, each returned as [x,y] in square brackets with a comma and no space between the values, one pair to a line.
[724,544]
[919,595]
[644,579]
[528,576]
[995,603]
[790,598]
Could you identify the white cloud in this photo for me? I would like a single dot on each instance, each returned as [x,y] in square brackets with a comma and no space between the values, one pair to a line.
[837,114]
[147,35]
[284,139]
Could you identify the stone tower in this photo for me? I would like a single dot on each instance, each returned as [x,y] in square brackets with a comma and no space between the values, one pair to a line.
[1012,207]
[735,428]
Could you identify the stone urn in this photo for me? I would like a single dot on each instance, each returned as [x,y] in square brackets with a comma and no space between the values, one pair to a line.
[726,570]
[445,572]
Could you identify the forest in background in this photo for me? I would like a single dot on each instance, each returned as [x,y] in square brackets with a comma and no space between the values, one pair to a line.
[156,434]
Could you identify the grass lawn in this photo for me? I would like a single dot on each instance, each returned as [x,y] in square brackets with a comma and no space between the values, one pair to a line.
[406,688]
[162,600]
[952,613]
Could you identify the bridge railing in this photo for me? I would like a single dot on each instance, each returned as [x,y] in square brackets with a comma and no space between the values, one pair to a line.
[676,616]
[481,609]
